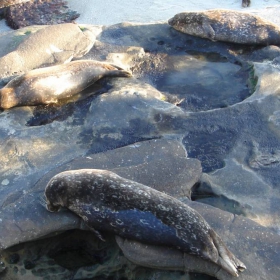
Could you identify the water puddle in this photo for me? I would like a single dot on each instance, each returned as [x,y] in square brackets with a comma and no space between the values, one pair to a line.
[205,81]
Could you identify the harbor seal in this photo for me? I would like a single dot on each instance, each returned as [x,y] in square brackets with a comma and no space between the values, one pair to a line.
[108,202]
[52,84]
[228,26]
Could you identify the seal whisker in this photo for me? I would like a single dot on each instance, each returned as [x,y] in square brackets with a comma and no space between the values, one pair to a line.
[42,201]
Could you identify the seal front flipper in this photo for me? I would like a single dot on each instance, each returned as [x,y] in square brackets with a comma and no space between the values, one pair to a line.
[98,234]
[208,29]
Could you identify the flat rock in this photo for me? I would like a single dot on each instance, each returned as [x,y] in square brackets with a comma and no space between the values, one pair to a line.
[36,12]
[7,3]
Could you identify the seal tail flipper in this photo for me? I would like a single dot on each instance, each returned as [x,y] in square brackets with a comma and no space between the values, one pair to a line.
[97,233]
[226,259]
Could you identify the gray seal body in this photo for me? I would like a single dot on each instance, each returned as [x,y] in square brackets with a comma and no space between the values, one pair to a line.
[228,26]
[108,202]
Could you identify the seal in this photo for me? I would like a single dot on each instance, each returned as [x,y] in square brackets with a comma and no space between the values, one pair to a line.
[228,26]
[108,202]
[52,84]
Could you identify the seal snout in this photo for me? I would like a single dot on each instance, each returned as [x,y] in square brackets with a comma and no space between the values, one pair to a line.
[7,98]
[171,21]
[52,208]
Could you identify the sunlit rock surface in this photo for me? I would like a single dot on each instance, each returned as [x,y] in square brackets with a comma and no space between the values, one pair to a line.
[37,12]
[199,120]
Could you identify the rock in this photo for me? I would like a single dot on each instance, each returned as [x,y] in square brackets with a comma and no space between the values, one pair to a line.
[37,12]
[7,3]
[227,25]
[200,119]
[50,44]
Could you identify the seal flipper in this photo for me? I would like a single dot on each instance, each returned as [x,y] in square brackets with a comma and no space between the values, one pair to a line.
[226,259]
[97,233]
[85,226]
[208,29]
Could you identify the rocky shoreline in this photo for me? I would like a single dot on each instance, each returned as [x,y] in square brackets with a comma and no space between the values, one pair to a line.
[199,120]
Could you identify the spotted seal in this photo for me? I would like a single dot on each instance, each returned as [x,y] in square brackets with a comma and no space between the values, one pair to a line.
[228,26]
[51,84]
[108,202]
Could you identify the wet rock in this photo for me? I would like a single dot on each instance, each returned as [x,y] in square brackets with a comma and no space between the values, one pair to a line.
[7,3]
[68,254]
[225,155]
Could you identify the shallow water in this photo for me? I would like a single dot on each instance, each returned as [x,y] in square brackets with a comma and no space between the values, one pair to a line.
[204,81]
[80,255]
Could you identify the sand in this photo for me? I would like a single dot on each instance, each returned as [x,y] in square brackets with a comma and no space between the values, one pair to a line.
[107,12]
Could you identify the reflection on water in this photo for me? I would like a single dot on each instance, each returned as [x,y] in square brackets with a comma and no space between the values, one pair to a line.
[204,81]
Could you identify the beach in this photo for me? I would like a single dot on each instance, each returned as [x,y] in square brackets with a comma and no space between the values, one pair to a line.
[146,11]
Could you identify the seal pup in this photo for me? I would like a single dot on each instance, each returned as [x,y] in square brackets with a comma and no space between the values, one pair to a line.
[52,84]
[228,26]
[108,202]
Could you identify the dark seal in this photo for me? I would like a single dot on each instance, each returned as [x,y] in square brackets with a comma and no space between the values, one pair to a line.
[52,84]
[228,26]
[108,202]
